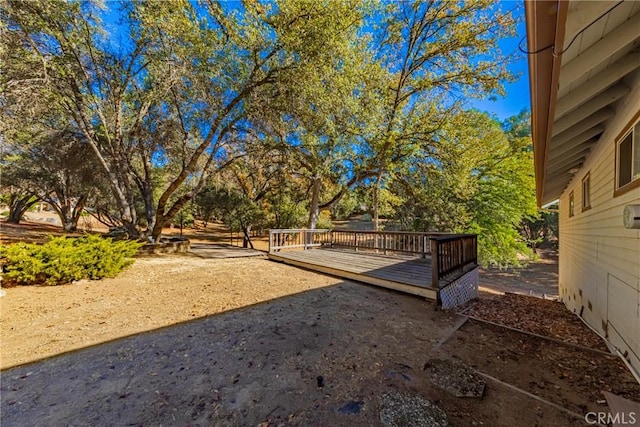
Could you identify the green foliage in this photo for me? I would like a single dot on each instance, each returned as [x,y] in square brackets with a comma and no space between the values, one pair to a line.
[185,216]
[433,51]
[541,229]
[388,202]
[205,204]
[235,209]
[175,93]
[324,220]
[62,260]
[288,105]
[286,212]
[476,178]
[351,203]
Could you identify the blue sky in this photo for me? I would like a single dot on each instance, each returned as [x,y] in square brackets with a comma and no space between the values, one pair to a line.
[517,97]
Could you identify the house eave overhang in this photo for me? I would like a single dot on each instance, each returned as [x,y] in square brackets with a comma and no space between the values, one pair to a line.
[545,22]
[584,62]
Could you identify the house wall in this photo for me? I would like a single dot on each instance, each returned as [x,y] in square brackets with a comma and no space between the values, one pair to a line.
[599,263]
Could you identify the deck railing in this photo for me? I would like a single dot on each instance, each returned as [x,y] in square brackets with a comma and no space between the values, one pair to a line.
[454,255]
[298,238]
[405,242]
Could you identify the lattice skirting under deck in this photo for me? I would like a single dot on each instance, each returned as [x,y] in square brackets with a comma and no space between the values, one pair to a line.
[461,290]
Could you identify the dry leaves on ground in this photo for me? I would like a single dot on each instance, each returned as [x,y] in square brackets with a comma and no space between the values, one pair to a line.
[536,315]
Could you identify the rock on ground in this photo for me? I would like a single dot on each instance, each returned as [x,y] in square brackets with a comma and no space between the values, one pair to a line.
[407,410]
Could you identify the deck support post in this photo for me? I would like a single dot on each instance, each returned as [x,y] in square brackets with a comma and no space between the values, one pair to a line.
[435,281]
[355,241]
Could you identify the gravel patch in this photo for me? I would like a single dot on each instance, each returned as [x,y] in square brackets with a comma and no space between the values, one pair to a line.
[406,410]
[455,378]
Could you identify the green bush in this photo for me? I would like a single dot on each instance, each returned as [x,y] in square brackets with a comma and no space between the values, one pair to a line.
[324,221]
[62,260]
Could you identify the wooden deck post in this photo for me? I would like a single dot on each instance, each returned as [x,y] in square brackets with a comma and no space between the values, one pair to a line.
[355,243]
[384,242]
[435,281]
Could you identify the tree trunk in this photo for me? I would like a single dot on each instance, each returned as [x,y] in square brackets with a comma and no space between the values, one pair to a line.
[64,213]
[163,216]
[78,209]
[15,215]
[71,217]
[376,202]
[246,240]
[146,189]
[156,231]
[314,208]
[18,206]
[70,225]
[68,212]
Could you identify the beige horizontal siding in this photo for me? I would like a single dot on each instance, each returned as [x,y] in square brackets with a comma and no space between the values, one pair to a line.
[598,256]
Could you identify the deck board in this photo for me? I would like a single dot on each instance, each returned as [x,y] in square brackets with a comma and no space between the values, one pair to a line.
[406,274]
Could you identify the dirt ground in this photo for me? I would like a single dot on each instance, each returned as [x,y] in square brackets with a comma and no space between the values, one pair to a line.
[562,374]
[41,321]
[540,278]
[262,365]
[203,340]
[535,315]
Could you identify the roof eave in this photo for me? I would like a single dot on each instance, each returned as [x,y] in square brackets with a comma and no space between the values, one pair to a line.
[545,22]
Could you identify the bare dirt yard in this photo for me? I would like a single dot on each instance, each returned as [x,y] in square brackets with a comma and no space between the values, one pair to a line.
[155,292]
[540,278]
[204,340]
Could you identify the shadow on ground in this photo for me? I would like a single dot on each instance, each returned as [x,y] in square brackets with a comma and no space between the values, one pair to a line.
[323,357]
[221,251]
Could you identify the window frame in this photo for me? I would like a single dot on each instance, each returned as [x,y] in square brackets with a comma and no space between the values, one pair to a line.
[572,205]
[586,195]
[629,129]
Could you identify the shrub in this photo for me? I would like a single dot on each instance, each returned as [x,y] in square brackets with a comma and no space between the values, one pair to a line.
[324,221]
[62,260]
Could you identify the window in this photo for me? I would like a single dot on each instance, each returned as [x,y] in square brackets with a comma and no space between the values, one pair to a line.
[586,192]
[571,204]
[628,158]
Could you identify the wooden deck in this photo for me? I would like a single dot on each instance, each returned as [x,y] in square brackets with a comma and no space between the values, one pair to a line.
[407,274]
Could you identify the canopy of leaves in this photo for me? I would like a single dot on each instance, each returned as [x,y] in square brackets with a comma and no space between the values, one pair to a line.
[479,179]
[266,113]
[174,93]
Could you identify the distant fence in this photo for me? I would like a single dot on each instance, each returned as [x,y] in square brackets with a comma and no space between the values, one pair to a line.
[259,232]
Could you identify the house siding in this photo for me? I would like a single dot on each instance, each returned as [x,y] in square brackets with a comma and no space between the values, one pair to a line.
[599,258]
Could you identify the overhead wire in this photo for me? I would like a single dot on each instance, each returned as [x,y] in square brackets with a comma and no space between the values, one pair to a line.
[552,46]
